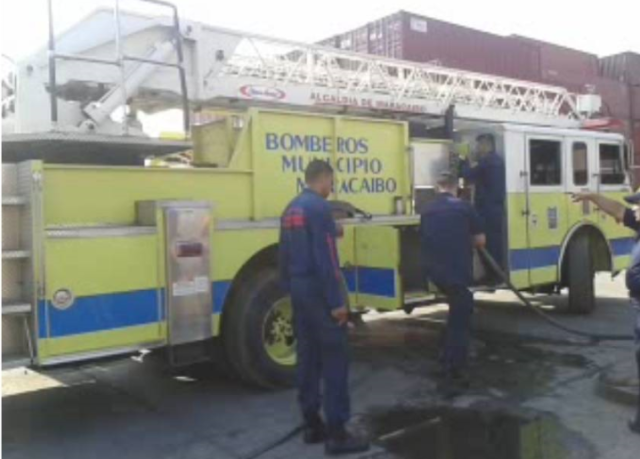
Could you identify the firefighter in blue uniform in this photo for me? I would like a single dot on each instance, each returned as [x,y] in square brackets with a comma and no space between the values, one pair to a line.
[450,228]
[310,272]
[631,219]
[489,178]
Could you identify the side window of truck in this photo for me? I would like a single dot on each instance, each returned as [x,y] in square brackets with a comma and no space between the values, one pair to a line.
[545,162]
[580,163]
[611,164]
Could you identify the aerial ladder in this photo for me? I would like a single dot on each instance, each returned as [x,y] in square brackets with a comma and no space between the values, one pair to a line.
[87,86]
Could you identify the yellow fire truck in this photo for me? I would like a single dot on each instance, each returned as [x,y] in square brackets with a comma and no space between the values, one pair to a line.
[104,253]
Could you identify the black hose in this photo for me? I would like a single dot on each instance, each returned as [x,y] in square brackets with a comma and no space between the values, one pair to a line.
[593,337]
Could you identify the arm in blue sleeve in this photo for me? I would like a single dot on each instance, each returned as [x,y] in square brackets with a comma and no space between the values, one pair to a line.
[424,253]
[471,173]
[283,261]
[325,255]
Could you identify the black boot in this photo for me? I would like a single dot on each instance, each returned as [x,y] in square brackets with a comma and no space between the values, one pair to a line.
[341,441]
[314,430]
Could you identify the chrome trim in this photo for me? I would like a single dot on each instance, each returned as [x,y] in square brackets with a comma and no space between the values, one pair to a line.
[272,223]
[73,232]
[16,308]
[14,200]
[15,254]
[99,354]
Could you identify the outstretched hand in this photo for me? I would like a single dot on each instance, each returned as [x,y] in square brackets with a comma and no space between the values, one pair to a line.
[580,196]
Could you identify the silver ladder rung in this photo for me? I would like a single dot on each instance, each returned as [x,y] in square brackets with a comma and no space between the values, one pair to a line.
[15,308]
[15,254]
[14,200]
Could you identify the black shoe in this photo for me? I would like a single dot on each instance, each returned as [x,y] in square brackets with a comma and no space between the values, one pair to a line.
[634,426]
[314,433]
[343,442]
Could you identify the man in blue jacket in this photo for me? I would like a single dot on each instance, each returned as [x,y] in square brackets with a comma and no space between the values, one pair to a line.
[449,230]
[310,272]
[489,178]
[631,219]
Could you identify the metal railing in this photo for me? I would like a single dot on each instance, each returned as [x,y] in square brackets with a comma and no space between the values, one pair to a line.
[119,61]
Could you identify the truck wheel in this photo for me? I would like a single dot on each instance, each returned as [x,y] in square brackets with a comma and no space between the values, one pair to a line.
[258,332]
[580,277]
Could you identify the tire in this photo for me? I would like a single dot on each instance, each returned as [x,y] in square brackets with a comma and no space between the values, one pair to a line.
[580,277]
[258,332]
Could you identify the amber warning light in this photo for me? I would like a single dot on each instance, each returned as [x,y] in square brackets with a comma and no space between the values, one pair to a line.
[188,249]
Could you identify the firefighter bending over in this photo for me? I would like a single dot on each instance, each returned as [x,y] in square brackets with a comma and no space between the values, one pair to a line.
[449,230]
[310,272]
[489,179]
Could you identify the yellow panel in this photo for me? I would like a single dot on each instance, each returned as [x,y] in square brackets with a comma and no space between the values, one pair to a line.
[621,262]
[232,249]
[101,265]
[368,157]
[520,279]
[97,195]
[101,341]
[378,247]
[517,222]
[542,276]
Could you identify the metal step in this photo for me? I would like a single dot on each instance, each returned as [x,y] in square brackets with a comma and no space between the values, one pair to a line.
[15,308]
[15,254]
[14,200]
[11,363]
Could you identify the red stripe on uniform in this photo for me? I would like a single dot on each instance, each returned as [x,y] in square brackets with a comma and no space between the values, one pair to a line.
[293,221]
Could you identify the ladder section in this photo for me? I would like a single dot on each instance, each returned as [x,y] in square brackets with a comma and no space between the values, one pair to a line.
[17,268]
[277,71]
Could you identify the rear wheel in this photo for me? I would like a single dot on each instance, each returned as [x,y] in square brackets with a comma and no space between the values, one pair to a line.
[580,277]
[258,332]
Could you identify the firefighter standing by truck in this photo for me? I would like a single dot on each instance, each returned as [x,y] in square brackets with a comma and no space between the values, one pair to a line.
[631,219]
[489,178]
[310,272]
[449,230]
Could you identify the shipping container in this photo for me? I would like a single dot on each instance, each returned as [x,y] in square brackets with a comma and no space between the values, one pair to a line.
[624,67]
[425,39]
[616,97]
[417,38]
[635,103]
[559,63]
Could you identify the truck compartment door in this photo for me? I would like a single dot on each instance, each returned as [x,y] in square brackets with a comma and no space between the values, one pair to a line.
[377,278]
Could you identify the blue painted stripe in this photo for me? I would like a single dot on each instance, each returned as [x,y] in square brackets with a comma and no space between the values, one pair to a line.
[42,319]
[103,312]
[622,246]
[376,281]
[220,292]
[538,257]
[350,278]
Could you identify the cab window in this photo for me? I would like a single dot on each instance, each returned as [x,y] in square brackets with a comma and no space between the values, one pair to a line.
[545,162]
[611,164]
[580,163]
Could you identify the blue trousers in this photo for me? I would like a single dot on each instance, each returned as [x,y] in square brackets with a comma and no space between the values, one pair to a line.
[635,303]
[323,356]
[493,218]
[455,351]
